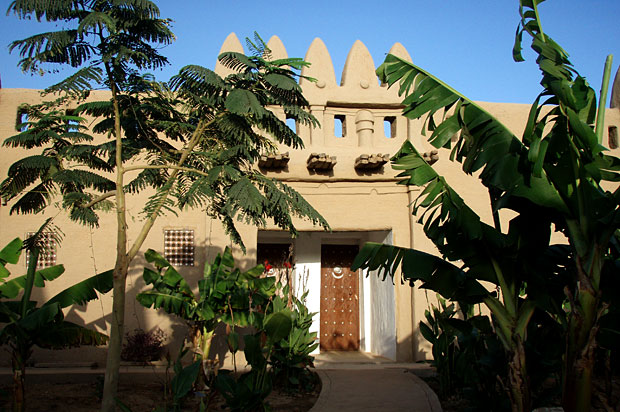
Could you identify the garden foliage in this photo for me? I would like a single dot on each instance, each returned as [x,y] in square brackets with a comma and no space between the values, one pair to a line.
[26,324]
[552,179]
[278,345]
[191,142]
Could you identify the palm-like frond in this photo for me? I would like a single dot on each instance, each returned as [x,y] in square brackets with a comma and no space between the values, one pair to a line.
[78,84]
[59,47]
[63,335]
[84,291]
[483,142]
[49,10]
[13,287]
[85,178]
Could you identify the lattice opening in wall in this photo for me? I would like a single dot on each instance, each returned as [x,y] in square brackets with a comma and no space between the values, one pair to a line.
[179,247]
[47,255]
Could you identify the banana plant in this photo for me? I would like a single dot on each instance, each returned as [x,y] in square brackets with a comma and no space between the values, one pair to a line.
[551,177]
[518,262]
[225,294]
[26,324]
[291,356]
[248,393]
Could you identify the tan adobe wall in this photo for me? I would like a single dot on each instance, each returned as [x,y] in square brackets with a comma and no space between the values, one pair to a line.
[350,200]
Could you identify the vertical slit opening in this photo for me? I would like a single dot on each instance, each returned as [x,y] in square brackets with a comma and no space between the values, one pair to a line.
[389,127]
[340,125]
[612,137]
[292,124]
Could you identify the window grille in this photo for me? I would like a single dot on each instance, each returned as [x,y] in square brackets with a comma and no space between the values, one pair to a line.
[47,255]
[179,247]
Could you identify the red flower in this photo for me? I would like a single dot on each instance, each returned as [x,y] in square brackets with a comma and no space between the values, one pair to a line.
[268,267]
[287,265]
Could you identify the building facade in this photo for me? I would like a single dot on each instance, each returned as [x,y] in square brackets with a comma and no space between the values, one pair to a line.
[343,171]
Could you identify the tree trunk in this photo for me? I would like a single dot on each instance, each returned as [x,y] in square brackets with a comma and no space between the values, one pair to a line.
[110,387]
[115,345]
[579,362]
[581,335]
[19,378]
[520,395]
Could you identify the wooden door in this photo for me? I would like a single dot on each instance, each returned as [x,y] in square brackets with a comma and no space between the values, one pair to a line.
[339,298]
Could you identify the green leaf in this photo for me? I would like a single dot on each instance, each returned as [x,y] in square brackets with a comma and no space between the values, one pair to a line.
[182,382]
[233,341]
[11,252]
[158,260]
[40,317]
[243,102]
[84,291]
[427,333]
[66,335]
[48,273]
[278,325]
[253,351]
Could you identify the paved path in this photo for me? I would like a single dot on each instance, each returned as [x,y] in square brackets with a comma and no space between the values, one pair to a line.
[351,382]
[377,389]
[355,381]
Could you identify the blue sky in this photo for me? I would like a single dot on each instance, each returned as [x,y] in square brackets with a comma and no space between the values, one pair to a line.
[466,43]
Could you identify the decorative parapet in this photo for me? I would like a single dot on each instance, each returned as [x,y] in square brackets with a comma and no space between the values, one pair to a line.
[274,161]
[371,161]
[320,161]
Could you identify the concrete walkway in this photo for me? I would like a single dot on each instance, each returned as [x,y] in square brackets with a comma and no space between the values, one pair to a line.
[362,382]
[351,381]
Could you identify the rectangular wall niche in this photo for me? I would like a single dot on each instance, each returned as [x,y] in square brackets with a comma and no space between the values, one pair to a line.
[47,256]
[179,246]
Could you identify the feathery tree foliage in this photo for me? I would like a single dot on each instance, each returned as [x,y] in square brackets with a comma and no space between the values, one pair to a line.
[193,141]
[26,324]
[551,178]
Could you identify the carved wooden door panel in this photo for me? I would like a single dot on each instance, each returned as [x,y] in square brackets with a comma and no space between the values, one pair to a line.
[339,298]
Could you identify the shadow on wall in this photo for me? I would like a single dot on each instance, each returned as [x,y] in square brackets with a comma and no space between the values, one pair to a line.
[136,316]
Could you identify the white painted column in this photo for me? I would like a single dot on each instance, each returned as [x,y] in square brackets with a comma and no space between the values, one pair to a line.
[308,264]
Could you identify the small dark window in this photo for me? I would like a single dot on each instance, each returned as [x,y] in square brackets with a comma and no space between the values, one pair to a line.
[292,124]
[389,126]
[613,137]
[340,125]
[21,123]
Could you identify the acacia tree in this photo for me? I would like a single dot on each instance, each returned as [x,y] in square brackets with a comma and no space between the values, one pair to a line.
[192,142]
[550,176]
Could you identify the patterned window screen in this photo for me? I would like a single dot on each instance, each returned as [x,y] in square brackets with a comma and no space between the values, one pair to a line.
[179,247]
[47,256]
